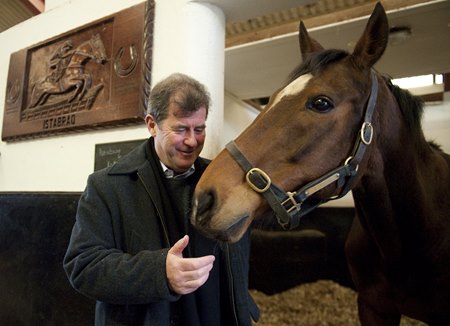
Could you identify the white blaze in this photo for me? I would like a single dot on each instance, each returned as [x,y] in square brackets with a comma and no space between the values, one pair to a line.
[293,88]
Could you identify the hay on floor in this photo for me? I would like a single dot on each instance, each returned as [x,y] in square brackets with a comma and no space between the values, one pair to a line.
[319,303]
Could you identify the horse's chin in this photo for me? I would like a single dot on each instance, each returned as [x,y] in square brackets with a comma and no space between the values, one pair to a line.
[231,234]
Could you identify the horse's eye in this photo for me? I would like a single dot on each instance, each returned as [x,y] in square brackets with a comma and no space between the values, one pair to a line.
[320,104]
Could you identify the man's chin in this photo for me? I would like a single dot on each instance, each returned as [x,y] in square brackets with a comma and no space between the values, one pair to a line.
[186,160]
[184,166]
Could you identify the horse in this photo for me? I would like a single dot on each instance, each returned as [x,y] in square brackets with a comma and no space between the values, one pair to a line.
[338,125]
[70,76]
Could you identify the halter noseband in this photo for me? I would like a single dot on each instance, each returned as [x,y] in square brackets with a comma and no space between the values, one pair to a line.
[288,206]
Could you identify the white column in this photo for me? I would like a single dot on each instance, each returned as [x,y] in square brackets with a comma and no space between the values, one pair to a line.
[189,37]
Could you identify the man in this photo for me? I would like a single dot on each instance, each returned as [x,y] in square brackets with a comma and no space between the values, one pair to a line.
[132,248]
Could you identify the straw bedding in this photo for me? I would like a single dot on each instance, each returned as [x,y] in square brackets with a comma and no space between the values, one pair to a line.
[322,302]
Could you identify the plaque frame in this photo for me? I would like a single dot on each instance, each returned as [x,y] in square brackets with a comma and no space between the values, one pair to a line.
[93,77]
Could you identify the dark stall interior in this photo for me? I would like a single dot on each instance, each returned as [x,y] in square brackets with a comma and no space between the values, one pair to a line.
[35,230]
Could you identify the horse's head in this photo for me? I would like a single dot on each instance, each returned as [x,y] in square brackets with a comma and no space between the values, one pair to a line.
[98,49]
[307,131]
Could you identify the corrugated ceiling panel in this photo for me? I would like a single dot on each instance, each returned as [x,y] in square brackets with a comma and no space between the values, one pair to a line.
[315,8]
[12,12]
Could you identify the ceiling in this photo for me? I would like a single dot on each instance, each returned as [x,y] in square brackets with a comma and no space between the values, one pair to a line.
[256,65]
[13,12]
[262,45]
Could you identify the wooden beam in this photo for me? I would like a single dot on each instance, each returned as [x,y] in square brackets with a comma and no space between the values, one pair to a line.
[433,97]
[254,103]
[316,21]
[35,6]
[446,82]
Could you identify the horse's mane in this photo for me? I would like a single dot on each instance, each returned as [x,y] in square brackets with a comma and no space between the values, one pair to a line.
[411,106]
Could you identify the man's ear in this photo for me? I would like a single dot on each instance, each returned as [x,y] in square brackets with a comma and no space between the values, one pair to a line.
[151,124]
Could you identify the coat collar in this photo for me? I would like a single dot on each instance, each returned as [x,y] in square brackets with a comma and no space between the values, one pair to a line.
[137,160]
[132,162]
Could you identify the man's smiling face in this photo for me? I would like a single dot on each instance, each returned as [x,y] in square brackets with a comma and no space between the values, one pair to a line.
[179,138]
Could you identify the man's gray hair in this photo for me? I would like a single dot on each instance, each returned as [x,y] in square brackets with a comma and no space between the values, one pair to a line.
[189,94]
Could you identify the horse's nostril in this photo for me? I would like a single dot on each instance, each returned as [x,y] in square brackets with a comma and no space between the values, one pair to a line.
[205,205]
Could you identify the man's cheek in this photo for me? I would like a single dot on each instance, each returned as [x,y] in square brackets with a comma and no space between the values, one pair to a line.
[201,139]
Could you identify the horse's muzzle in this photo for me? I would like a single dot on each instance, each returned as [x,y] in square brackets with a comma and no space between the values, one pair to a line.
[203,208]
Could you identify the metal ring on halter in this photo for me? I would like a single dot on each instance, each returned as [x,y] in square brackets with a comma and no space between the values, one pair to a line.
[366,126]
[263,175]
[348,160]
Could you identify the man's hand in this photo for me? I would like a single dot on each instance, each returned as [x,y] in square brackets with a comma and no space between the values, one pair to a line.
[185,275]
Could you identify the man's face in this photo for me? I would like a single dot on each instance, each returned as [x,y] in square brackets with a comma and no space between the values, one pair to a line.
[178,139]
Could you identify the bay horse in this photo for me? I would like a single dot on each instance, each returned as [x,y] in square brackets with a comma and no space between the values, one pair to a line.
[338,125]
[72,80]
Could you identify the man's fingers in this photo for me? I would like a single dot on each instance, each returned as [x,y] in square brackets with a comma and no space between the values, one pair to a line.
[191,286]
[186,275]
[192,264]
[189,273]
[193,280]
[196,274]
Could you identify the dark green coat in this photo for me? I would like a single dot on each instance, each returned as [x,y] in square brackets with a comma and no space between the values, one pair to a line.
[118,258]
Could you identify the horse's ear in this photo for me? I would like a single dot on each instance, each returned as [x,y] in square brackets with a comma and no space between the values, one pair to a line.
[308,45]
[373,42]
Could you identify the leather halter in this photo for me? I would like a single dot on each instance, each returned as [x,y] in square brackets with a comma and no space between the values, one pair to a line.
[288,206]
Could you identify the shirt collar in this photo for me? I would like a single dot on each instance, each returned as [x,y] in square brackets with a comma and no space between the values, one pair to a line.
[170,174]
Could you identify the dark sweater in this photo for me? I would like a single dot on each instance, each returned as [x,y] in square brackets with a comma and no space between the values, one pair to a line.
[203,306]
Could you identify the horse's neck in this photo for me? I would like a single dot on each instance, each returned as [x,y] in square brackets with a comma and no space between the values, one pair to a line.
[79,58]
[84,51]
[84,47]
[400,189]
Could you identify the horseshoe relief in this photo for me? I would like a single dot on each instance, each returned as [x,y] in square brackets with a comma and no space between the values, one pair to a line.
[125,70]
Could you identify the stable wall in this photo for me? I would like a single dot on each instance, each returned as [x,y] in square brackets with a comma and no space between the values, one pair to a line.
[62,163]
[59,163]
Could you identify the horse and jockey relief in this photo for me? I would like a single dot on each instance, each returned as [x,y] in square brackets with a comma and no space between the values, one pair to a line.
[67,80]
[93,77]
[338,125]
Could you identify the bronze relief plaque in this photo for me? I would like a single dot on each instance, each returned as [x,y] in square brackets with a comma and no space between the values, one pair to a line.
[96,76]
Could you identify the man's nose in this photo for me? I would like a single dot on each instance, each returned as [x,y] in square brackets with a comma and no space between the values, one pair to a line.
[190,139]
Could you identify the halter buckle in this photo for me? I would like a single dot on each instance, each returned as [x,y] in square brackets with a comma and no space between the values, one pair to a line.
[366,132]
[347,161]
[263,176]
[291,200]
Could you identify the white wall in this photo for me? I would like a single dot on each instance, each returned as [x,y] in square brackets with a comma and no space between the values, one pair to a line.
[237,116]
[59,163]
[436,123]
[62,163]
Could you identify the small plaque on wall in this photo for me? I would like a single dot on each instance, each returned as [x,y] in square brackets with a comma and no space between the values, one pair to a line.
[96,76]
[109,153]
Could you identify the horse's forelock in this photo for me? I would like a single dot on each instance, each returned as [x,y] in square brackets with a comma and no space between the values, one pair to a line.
[316,62]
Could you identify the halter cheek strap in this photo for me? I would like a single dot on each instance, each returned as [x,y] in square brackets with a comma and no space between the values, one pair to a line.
[288,206]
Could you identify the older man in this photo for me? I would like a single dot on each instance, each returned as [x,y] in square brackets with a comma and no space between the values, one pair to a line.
[132,248]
